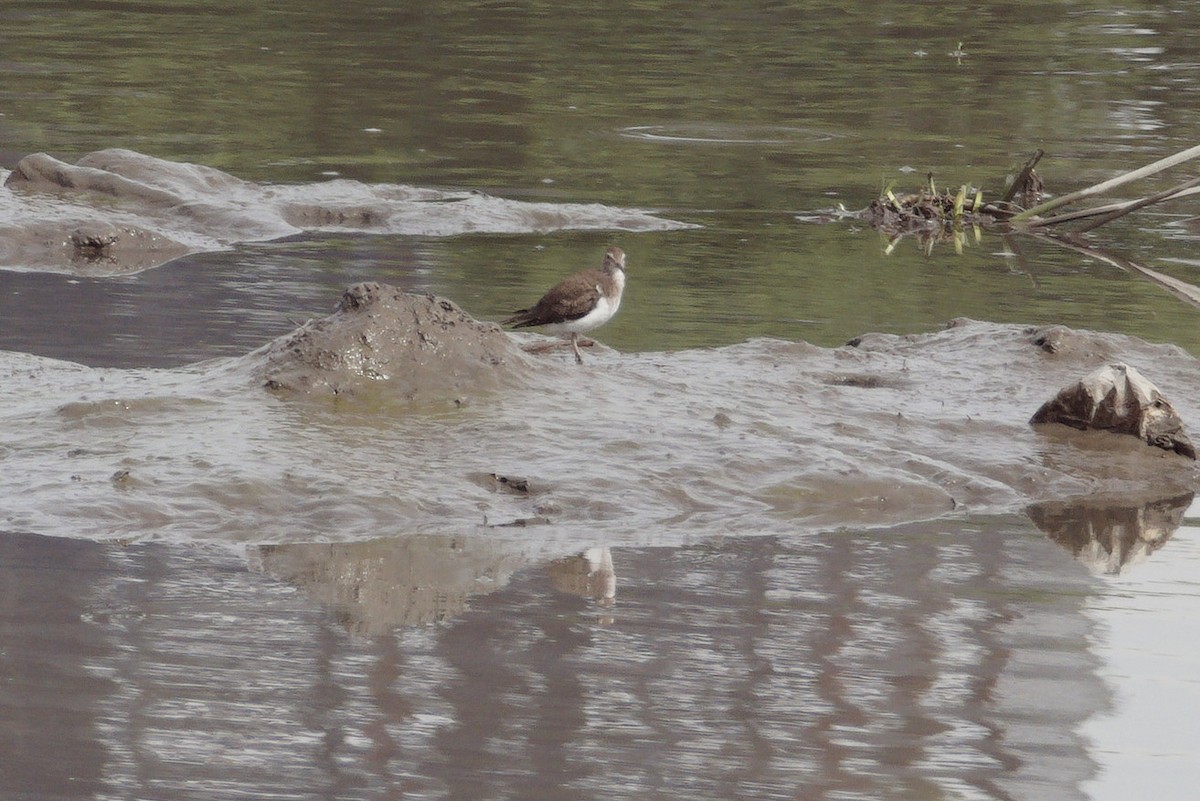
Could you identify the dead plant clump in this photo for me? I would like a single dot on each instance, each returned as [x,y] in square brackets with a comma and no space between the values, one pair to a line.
[934,216]
[945,216]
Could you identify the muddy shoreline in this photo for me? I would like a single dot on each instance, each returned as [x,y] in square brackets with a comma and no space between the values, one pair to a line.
[763,437]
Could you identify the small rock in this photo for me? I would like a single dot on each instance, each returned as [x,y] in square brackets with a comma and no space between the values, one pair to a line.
[1119,399]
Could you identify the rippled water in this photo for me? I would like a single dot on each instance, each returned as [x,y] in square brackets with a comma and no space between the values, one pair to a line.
[741,591]
[966,660]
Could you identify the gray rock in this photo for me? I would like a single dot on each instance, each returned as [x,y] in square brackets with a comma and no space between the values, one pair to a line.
[1119,399]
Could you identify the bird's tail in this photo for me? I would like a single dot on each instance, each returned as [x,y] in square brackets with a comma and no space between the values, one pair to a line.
[519,319]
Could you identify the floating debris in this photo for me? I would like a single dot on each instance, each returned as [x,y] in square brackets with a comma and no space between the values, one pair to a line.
[944,216]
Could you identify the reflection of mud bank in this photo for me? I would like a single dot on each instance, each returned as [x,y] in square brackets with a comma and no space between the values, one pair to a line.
[944,660]
[1110,534]
[378,585]
[117,211]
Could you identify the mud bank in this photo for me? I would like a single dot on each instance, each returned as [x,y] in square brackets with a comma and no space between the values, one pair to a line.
[385,344]
[762,437]
[118,212]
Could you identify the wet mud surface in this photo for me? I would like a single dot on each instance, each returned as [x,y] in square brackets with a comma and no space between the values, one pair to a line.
[120,212]
[763,437]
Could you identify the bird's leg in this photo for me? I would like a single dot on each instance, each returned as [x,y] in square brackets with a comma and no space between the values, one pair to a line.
[575,347]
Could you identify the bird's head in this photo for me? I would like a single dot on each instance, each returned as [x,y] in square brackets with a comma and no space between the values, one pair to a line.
[614,259]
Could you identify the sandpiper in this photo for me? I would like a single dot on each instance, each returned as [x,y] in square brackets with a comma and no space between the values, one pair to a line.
[580,303]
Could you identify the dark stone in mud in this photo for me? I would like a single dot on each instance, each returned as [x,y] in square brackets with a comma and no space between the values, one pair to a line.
[1119,399]
[95,240]
[517,486]
[860,381]
[1060,339]
[1051,339]
[381,340]
[86,246]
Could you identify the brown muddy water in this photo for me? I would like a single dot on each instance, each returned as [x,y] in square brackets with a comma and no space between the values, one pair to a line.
[752,563]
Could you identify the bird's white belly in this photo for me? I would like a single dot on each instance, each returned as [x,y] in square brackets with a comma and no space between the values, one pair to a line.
[600,314]
[597,317]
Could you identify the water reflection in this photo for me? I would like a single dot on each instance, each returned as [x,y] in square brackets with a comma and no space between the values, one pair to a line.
[940,660]
[588,575]
[377,586]
[1108,535]
[947,659]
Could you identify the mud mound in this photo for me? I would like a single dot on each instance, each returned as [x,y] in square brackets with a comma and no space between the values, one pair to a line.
[118,211]
[381,340]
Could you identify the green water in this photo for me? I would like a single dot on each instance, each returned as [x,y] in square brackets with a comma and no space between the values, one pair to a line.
[735,116]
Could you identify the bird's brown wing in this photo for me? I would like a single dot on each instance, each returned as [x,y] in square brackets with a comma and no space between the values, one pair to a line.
[569,299]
